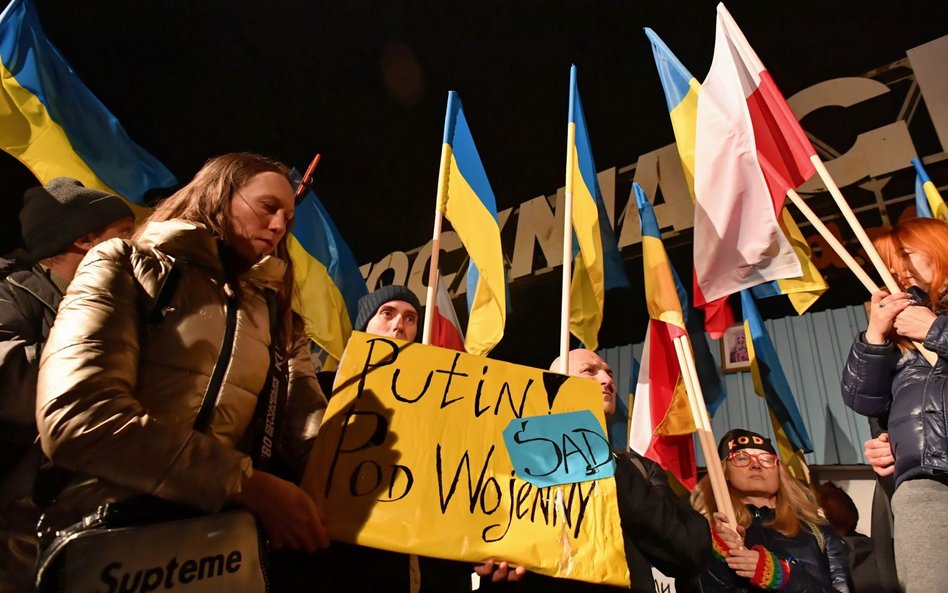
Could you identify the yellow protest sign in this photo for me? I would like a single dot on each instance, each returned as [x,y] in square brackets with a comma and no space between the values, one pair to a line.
[411,458]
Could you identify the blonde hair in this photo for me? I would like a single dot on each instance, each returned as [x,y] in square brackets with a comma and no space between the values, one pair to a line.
[796,503]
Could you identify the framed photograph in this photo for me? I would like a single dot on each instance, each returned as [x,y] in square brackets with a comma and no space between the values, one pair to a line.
[734,355]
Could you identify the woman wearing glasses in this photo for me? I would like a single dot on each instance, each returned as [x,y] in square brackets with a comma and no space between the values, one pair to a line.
[780,542]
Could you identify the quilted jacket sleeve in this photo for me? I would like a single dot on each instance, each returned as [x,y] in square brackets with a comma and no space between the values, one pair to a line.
[867,377]
[937,338]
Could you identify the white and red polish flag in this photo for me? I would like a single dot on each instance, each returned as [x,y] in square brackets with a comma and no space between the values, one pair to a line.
[445,328]
[749,150]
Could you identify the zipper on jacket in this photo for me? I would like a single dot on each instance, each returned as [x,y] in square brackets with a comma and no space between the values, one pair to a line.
[19,285]
[213,392]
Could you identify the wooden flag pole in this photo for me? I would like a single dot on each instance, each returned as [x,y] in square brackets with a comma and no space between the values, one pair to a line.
[699,412]
[834,243]
[860,233]
[866,244]
[435,247]
[567,251]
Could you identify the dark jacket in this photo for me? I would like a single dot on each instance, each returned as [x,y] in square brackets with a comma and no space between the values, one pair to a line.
[28,303]
[878,381]
[867,569]
[659,530]
[812,570]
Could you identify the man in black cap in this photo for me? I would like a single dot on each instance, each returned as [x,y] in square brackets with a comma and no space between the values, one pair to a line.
[392,311]
[59,223]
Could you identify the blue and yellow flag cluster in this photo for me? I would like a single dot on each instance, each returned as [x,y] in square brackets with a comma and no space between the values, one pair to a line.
[597,265]
[53,124]
[771,383]
[328,281]
[468,202]
[928,202]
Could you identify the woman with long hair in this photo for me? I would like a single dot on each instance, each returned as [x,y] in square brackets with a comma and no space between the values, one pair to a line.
[780,542]
[193,309]
[886,377]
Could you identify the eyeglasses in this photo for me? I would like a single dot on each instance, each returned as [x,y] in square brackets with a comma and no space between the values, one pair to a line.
[742,459]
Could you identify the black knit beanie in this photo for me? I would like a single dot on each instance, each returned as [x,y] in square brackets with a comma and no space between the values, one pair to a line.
[372,302]
[738,438]
[55,215]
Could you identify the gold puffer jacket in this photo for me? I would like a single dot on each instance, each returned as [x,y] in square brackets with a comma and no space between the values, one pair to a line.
[117,397]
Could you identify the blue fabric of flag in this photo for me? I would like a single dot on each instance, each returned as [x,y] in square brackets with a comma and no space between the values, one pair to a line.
[777,390]
[57,126]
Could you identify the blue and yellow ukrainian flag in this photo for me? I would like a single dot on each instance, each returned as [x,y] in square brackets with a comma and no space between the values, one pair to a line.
[666,304]
[662,422]
[681,96]
[928,202]
[771,383]
[664,296]
[54,125]
[597,265]
[468,202]
[663,290]
[328,281]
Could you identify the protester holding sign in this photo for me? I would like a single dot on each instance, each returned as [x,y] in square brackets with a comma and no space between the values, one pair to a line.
[885,375]
[188,323]
[780,542]
[658,528]
[391,311]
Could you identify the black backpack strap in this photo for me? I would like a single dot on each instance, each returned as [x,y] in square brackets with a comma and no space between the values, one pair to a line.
[156,314]
[265,424]
[213,392]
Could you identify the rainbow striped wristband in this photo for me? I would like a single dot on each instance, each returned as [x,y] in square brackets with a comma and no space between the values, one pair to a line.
[773,572]
[719,547]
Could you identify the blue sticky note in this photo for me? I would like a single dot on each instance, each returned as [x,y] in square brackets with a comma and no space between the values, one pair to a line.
[559,449]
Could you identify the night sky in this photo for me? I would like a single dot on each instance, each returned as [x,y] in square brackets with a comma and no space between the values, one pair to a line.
[365,84]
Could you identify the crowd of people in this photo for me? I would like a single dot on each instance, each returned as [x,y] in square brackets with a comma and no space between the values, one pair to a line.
[133,362]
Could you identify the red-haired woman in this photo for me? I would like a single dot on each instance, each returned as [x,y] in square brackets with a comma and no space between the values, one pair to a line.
[886,376]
